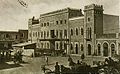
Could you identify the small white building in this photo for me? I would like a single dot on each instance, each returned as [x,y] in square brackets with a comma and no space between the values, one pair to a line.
[27,48]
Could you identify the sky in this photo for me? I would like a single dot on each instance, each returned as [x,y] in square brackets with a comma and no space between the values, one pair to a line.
[14,16]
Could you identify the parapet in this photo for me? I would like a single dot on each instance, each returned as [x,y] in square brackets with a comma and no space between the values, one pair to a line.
[33,21]
[93,6]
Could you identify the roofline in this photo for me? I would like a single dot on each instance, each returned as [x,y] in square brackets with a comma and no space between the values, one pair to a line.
[14,31]
[111,15]
[60,10]
[10,31]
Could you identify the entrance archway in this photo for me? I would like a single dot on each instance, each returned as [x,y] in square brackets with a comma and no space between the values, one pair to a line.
[112,49]
[99,50]
[105,49]
[89,49]
[76,48]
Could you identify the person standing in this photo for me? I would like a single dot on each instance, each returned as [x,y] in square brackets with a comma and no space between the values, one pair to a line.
[46,60]
[57,68]
[70,60]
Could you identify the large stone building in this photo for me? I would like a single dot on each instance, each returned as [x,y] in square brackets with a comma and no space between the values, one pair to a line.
[72,32]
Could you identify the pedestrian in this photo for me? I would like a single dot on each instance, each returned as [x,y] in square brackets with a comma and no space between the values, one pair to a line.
[57,68]
[82,56]
[46,60]
[69,58]
[78,62]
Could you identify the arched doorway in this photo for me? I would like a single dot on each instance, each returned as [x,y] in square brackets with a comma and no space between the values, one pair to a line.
[89,49]
[105,49]
[76,48]
[99,48]
[112,49]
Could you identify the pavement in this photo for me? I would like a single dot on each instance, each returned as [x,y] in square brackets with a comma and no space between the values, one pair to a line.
[33,65]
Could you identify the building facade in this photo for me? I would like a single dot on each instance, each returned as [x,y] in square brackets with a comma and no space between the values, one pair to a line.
[72,32]
[7,38]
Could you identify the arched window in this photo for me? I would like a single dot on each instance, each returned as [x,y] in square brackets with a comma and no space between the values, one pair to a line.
[47,33]
[82,47]
[76,48]
[47,23]
[71,47]
[44,34]
[81,31]
[41,45]
[44,24]
[99,48]
[33,34]
[65,33]
[48,45]
[76,31]
[71,32]
[112,49]
[36,34]
[41,34]
[105,49]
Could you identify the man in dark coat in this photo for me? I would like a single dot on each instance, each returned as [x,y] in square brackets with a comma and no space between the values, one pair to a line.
[57,68]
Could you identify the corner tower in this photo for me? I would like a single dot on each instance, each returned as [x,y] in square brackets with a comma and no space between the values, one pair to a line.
[93,26]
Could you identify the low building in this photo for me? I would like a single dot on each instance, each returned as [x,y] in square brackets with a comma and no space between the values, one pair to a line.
[8,38]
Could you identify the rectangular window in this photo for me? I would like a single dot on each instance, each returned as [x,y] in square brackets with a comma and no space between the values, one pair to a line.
[56,33]
[56,45]
[61,21]
[16,36]
[52,33]
[30,34]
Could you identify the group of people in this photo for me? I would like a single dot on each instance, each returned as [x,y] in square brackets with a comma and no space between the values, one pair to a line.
[18,57]
[72,64]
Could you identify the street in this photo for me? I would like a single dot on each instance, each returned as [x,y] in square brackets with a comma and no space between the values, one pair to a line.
[33,65]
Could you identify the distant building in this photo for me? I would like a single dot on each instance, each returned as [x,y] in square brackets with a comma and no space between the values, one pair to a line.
[71,32]
[7,38]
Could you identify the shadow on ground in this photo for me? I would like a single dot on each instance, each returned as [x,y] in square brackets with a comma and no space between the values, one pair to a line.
[8,66]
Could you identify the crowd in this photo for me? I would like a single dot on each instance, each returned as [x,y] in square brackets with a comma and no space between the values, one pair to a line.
[108,66]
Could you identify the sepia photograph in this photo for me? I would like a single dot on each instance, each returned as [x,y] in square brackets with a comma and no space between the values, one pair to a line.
[59,37]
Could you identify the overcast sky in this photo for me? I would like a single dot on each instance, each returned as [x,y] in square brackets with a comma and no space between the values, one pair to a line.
[14,16]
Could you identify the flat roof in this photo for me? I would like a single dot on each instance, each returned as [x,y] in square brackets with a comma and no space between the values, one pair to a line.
[60,10]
